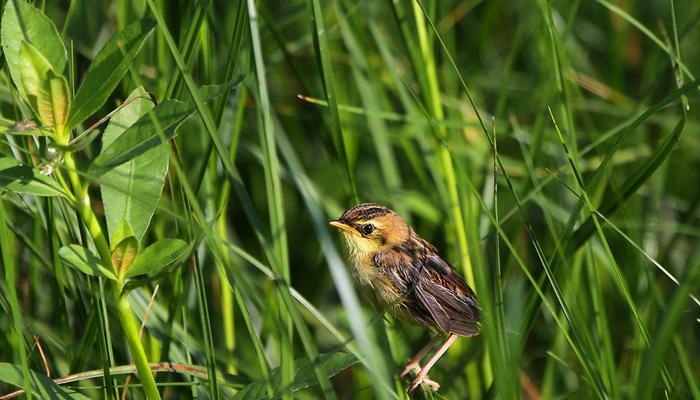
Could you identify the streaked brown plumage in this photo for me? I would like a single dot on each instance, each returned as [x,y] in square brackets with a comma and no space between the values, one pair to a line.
[403,274]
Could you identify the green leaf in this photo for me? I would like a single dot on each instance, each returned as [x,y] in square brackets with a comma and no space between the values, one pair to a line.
[84,261]
[41,385]
[131,191]
[34,68]
[145,133]
[332,363]
[47,92]
[142,136]
[322,54]
[124,247]
[53,100]
[107,69]
[122,231]
[124,254]
[158,256]
[22,22]
[24,179]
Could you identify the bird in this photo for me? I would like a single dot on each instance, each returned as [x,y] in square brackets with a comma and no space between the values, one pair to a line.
[403,274]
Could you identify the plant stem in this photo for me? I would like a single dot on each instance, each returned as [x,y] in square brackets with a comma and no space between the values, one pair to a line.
[126,316]
[131,331]
[82,205]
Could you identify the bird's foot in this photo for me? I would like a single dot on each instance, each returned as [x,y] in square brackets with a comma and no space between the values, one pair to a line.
[411,366]
[423,378]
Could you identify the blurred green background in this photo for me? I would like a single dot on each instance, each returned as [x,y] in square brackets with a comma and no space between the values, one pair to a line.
[572,241]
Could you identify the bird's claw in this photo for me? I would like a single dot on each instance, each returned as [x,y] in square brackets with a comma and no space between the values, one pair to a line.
[411,366]
[420,377]
[423,378]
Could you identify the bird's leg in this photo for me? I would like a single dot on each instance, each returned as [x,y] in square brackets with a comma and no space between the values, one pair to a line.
[423,374]
[414,364]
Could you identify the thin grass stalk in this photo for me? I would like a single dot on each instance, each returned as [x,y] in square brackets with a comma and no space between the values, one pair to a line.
[207,119]
[378,129]
[680,351]
[574,340]
[58,267]
[648,33]
[216,140]
[416,160]
[599,311]
[273,187]
[370,355]
[507,388]
[616,269]
[682,359]
[233,55]
[227,293]
[7,248]
[227,308]
[547,268]
[562,325]
[653,359]
[205,322]
[328,82]
[100,300]
[189,45]
[210,126]
[558,56]
[370,92]
[434,105]
[571,241]
[263,363]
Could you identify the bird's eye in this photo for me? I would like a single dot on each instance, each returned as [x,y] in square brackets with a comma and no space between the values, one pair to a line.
[368,229]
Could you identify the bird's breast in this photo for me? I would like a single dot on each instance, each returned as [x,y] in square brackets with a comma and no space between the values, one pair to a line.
[375,282]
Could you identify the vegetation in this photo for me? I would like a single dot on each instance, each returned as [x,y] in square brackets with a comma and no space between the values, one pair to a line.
[168,170]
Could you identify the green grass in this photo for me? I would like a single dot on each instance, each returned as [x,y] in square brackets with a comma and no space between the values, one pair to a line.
[546,148]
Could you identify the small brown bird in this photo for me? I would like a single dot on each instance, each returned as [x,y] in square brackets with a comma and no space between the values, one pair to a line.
[403,274]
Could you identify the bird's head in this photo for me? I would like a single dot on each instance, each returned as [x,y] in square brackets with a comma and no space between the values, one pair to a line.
[370,227]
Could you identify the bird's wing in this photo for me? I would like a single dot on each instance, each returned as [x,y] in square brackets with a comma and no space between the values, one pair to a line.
[454,295]
[433,292]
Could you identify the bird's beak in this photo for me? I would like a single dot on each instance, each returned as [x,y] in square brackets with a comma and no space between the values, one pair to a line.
[344,227]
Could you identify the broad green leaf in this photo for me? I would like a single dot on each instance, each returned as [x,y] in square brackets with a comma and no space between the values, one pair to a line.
[124,247]
[23,22]
[145,133]
[131,191]
[41,385]
[53,100]
[24,179]
[332,363]
[107,69]
[142,136]
[84,261]
[33,69]
[122,231]
[47,92]
[158,256]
